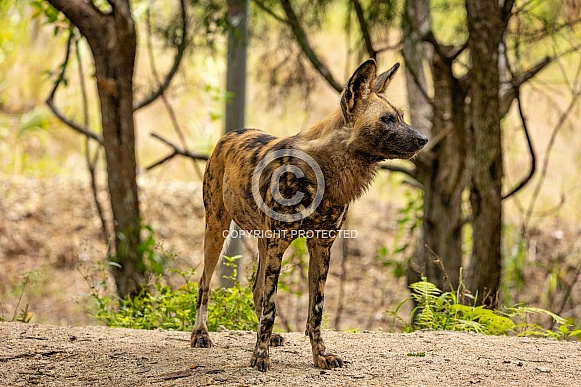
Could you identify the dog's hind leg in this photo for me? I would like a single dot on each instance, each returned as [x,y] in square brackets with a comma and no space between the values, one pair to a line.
[217,225]
[276,340]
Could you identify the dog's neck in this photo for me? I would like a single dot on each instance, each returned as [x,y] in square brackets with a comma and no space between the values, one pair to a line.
[347,173]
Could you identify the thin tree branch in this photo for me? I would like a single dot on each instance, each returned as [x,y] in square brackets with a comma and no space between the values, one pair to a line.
[510,92]
[364,29]
[91,164]
[155,74]
[533,166]
[348,44]
[452,56]
[51,104]
[181,48]
[534,70]
[567,294]
[83,86]
[416,79]
[556,129]
[176,151]
[523,7]
[438,49]
[306,46]
[398,168]
[541,33]
[446,53]
[570,84]
[270,12]
[437,139]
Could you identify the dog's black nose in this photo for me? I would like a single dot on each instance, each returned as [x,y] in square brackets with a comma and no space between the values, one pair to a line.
[422,140]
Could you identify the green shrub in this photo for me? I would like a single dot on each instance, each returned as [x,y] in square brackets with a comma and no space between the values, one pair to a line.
[159,305]
[443,311]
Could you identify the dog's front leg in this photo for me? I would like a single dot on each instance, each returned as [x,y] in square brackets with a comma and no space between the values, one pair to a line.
[320,253]
[274,250]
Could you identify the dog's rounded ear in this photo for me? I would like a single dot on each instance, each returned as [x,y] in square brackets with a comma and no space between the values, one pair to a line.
[384,79]
[359,88]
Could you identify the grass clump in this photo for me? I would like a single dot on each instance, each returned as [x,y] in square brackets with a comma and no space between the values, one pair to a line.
[159,305]
[438,310]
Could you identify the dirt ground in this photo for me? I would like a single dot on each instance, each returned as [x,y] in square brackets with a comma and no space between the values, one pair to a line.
[99,356]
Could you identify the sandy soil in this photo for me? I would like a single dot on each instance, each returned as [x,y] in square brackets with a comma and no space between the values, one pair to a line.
[98,356]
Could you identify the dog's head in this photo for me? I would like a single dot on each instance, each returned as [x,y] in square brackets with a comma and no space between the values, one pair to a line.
[378,130]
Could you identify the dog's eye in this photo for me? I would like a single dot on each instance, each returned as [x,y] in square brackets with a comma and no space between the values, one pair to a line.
[388,119]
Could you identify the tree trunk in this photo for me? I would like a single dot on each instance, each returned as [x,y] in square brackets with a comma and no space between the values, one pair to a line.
[442,174]
[114,66]
[441,170]
[112,39]
[485,29]
[235,117]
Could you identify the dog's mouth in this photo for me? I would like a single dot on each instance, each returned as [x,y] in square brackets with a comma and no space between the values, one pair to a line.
[405,155]
[406,152]
[391,154]
[410,155]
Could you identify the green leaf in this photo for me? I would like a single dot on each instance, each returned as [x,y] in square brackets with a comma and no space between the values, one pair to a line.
[575,333]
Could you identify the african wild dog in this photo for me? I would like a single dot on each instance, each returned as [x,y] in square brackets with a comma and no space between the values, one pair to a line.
[341,154]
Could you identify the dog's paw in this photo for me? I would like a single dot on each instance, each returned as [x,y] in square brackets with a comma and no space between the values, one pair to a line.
[261,364]
[277,340]
[201,339]
[327,361]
